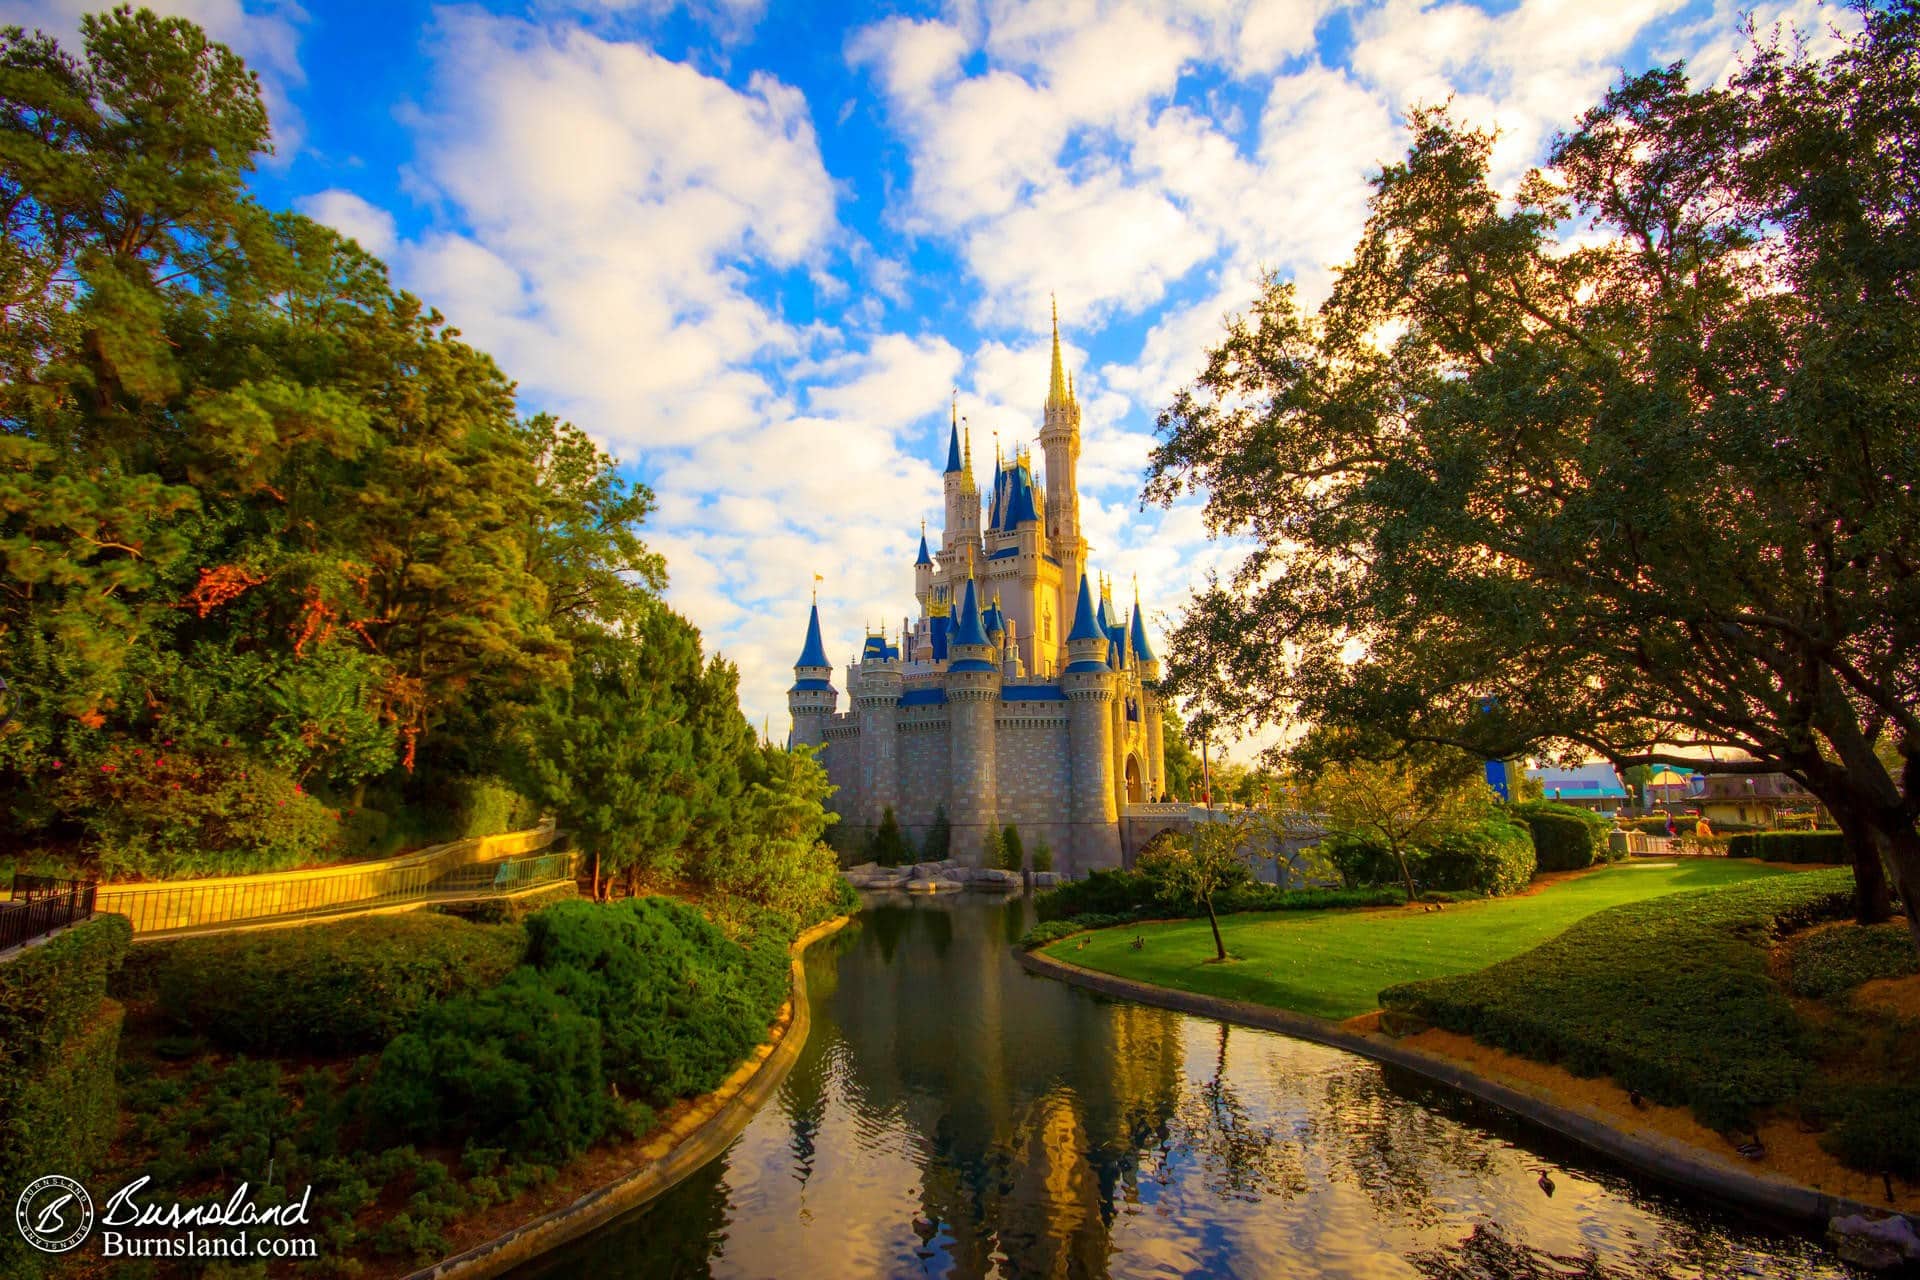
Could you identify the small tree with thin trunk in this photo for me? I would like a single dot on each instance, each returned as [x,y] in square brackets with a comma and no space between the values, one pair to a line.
[1398,805]
[1013,851]
[1191,870]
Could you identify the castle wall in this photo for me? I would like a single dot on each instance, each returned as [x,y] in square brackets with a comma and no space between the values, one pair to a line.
[1035,775]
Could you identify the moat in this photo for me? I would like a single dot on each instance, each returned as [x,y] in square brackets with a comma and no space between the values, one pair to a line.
[952,1115]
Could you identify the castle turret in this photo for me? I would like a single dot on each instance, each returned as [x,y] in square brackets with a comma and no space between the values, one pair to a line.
[963,497]
[875,690]
[813,697]
[973,697]
[1088,684]
[923,573]
[1149,668]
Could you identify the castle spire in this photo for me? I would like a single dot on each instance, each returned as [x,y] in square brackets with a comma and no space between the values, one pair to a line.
[1057,395]
[953,438]
[813,653]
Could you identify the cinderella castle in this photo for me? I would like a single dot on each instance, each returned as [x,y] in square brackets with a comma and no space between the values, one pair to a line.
[1019,696]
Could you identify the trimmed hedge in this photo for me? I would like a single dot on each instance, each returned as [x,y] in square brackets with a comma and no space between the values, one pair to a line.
[1492,859]
[1564,838]
[1839,959]
[1670,996]
[59,1047]
[1790,846]
[341,987]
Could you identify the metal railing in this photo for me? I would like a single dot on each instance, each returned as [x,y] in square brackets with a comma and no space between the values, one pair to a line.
[40,904]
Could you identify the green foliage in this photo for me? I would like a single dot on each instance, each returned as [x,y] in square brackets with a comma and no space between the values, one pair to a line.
[1875,1128]
[274,520]
[993,848]
[517,1063]
[1407,809]
[1564,838]
[328,988]
[1182,766]
[50,991]
[1830,962]
[63,1118]
[1130,895]
[1042,855]
[888,846]
[1013,852]
[490,807]
[166,813]
[1493,858]
[1670,996]
[1789,846]
[939,844]
[643,999]
[1534,510]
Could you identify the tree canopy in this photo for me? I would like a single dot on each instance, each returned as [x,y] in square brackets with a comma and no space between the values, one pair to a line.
[272,534]
[1623,458]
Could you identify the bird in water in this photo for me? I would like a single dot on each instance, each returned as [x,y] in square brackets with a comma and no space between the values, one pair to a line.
[1633,1096]
[1546,1183]
[1752,1150]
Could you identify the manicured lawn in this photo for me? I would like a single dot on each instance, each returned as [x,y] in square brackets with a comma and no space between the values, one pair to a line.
[1333,964]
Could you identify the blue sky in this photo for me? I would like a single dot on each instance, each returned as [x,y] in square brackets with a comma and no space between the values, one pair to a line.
[753,247]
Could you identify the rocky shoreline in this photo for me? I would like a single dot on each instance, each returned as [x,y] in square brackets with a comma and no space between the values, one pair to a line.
[947,876]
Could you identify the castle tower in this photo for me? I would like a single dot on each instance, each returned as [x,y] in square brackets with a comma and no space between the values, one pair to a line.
[962,499]
[813,697]
[922,576]
[1150,707]
[973,697]
[1060,439]
[875,691]
[1088,683]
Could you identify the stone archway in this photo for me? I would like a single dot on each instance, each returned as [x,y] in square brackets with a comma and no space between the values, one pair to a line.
[1136,789]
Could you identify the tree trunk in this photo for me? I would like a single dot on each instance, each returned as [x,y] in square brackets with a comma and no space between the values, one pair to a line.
[1219,947]
[1903,852]
[1406,875]
[1872,899]
[596,875]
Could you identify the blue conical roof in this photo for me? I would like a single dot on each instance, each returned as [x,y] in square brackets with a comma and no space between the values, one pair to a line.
[1141,650]
[953,450]
[923,558]
[1086,623]
[969,630]
[814,653]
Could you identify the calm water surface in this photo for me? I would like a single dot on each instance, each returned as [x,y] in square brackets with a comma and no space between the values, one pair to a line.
[952,1115]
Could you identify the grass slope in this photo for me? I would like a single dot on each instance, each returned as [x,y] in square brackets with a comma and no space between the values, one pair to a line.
[1333,964]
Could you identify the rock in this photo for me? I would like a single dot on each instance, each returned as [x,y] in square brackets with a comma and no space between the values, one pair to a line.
[960,874]
[1047,879]
[1875,1243]
[866,869]
[925,870]
[919,885]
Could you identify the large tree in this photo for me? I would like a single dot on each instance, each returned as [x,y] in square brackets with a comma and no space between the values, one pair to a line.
[1623,458]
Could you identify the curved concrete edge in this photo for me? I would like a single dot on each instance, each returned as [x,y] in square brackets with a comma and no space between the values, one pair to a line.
[1675,1163]
[674,1155]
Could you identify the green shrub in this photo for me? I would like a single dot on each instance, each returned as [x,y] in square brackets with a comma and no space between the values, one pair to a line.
[50,991]
[1670,996]
[331,988]
[1494,858]
[162,814]
[993,848]
[1128,895]
[939,836]
[489,807]
[1042,856]
[1564,838]
[1013,851]
[518,1064]
[1364,863]
[1790,846]
[888,846]
[1839,959]
[1656,825]
[679,1003]
[1876,1128]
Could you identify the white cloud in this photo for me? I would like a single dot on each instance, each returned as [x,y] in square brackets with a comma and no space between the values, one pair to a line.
[354,218]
